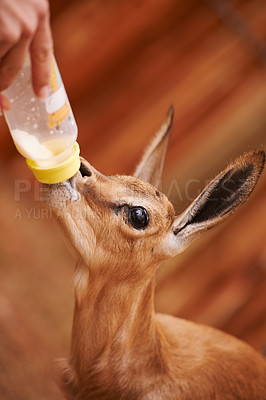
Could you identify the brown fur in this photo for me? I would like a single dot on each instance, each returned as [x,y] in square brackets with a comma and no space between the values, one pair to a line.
[122,349]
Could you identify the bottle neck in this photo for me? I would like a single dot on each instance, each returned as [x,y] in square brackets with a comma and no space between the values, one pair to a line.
[60,172]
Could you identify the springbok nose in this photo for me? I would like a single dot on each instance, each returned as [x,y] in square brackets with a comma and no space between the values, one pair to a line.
[85,169]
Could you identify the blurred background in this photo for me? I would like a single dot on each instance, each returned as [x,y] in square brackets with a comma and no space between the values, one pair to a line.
[123,63]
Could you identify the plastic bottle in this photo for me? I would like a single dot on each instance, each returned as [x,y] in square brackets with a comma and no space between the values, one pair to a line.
[44,131]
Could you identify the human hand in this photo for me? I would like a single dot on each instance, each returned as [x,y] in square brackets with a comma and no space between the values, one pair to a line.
[25,26]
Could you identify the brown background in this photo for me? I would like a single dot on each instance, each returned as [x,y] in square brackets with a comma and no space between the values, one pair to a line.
[123,63]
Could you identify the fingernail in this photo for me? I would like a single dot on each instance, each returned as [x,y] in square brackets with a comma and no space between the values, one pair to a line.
[43,92]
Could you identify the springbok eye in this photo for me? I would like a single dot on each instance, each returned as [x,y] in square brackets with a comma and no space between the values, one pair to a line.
[138,217]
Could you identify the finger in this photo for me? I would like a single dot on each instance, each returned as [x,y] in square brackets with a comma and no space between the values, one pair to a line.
[12,62]
[4,102]
[10,33]
[5,47]
[41,50]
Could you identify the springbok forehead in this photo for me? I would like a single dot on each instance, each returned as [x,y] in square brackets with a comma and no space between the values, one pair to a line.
[135,187]
[135,192]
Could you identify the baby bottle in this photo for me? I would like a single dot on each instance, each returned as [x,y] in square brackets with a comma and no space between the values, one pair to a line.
[44,131]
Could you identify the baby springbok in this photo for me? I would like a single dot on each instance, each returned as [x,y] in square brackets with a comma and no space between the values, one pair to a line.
[122,227]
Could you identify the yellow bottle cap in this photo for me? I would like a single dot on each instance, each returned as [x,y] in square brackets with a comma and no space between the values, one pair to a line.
[59,173]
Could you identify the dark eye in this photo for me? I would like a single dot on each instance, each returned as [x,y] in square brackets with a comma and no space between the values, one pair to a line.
[138,217]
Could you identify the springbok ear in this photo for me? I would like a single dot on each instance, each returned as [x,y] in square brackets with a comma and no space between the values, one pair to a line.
[223,195]
[151,165]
